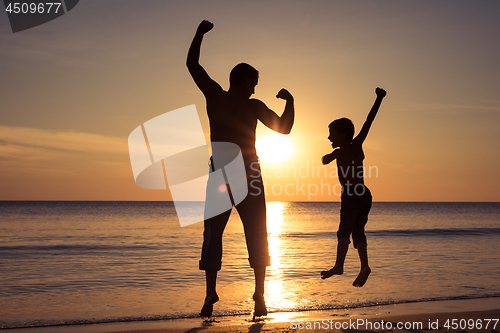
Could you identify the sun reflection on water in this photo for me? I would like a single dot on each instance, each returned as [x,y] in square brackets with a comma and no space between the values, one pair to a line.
[278,295]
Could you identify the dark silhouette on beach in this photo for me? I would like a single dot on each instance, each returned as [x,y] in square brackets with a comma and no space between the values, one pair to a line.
[356,199]
[233,117]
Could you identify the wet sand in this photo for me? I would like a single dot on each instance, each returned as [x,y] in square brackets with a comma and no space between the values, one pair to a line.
[464,321]
[453,316]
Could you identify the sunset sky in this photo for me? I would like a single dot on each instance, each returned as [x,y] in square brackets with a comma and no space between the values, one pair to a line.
[73,89]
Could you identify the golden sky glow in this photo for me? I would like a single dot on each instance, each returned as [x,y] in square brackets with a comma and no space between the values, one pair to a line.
[73,89]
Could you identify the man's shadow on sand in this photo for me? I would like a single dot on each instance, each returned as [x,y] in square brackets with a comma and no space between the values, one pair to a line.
[255,328]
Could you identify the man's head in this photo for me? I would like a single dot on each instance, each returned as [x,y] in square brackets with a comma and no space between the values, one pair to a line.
[244,78]
[340,130]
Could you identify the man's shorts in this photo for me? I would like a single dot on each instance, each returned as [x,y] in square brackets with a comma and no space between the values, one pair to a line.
[252,211]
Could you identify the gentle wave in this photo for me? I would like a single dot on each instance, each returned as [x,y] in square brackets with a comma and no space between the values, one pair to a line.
[83,248]
[409,233]
[74,247]
[73,322]
[437,232]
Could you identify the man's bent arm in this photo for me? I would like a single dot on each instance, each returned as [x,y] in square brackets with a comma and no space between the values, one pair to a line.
[269,118]
[287,118]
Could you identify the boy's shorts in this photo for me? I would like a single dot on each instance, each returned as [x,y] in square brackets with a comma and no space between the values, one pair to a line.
[354,211]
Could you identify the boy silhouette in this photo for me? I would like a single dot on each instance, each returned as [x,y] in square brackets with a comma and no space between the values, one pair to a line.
[356,199]
[233,117]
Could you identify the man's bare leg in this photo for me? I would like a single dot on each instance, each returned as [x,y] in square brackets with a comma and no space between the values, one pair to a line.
[338,269]
[365,269]
[212,297]
[258,296]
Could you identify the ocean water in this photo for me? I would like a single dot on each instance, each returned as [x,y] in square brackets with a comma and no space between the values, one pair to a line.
[90,262]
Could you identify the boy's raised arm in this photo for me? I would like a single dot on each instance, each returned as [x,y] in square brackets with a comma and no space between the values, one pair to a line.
[200,76]
[360,138]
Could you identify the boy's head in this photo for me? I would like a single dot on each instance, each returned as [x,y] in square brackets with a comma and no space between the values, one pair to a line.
[344,129]
[244,77]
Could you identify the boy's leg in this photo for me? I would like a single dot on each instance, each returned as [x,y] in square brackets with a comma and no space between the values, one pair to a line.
[365,269]
[359,240]
[347,217]
[338,269]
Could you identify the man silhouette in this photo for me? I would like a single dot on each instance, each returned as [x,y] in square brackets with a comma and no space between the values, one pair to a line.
[233,117]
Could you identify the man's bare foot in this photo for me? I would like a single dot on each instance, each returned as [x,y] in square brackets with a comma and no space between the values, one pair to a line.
[362,277]
[333,271]
[260,305]
[208,307]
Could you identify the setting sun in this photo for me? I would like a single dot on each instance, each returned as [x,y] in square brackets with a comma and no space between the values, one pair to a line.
[273,148]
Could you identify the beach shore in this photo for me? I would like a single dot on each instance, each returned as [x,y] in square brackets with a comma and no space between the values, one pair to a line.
[452,316]
[405,323]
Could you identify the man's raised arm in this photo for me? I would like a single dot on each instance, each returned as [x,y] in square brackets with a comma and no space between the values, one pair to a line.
[200,76]
[360,138]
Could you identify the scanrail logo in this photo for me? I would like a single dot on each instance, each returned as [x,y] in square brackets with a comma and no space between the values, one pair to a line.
[170,150]
[28,14]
